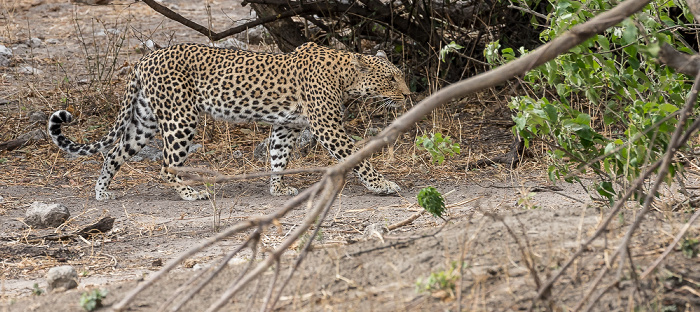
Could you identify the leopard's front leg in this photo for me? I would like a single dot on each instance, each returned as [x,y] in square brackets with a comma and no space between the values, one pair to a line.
[330,132]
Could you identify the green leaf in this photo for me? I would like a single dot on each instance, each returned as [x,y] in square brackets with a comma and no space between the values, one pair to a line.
[432,201]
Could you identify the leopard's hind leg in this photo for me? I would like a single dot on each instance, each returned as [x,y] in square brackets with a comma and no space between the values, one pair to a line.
[139,130]
[281,142]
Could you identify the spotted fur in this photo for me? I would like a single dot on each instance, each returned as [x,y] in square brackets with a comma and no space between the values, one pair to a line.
[169,88]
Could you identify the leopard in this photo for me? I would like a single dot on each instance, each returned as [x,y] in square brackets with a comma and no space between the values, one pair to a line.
[169,90]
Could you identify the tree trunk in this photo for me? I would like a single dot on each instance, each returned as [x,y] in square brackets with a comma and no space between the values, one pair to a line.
[286,33]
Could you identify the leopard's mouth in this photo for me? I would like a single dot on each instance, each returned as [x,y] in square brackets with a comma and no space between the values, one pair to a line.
[394,102]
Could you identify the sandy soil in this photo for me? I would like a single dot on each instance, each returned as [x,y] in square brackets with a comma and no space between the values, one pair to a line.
[346,271]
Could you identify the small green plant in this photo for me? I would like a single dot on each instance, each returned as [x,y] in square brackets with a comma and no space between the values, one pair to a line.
[36,291]
[688,247]
[438,146]
[527,199]
[93,299]
[450,48]
[445,280]
[432,201]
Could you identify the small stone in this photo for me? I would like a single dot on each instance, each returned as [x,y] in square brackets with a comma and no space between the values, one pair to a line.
[150,44]
[41,215]
[194,147]
[38,116]
[33,42]
[157,263]
[62,278]
[2,200]
[26,69]
[189,263]
[5,56]
[123,71]
[53,41]
[231,43]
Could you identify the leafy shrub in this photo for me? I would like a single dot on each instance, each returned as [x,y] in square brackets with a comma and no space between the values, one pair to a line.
[437,146]
[92,300]
[607,105]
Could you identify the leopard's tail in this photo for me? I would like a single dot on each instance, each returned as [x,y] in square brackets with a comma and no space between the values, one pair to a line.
[102,145]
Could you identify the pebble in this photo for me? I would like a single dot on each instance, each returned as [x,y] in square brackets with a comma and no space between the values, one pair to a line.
[26,69]
[33,42]
[41,215]
[62,278]
[5,56]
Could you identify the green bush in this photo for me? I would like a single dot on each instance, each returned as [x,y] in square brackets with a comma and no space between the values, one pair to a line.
[437,146]
[606,106]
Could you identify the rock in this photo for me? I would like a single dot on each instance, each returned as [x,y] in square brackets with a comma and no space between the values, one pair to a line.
[231,43]
[41,215]
[194,148]
[53,41]
[123,71]
[252,35]
[5,56]
[26,69]
[375,230]
[62,278]
[38,116]
[33,42]
[150,151]
[149,44]
[2,200]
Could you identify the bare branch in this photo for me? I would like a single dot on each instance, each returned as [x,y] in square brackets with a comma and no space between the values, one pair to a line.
[215,36]
[681,62]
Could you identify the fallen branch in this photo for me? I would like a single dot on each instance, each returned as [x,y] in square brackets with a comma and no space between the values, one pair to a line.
[32,136]
[407,221]
[104,225]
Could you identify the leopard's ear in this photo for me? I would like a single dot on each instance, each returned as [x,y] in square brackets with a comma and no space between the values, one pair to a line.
[358,61]
[380,53]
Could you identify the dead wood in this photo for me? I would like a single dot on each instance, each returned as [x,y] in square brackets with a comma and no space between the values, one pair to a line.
[286,33]
[29,137]
[102,226]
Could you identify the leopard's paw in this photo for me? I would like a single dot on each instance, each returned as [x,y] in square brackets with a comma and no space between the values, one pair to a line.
[191,194]
[104,195]
[283,190]
[384,187]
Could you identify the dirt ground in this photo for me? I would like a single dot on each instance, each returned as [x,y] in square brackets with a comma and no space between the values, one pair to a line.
[498,218]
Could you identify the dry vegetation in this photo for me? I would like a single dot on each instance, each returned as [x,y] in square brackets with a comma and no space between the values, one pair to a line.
[508,231]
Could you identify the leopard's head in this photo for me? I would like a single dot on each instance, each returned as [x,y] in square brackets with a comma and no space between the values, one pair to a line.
[377,78]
